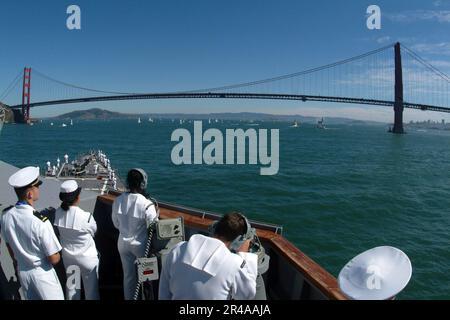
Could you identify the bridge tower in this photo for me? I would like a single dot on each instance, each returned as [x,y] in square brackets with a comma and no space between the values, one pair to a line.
[26,93]
[398,105]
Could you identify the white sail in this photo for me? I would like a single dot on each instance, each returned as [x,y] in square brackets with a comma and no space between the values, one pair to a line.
[2,118]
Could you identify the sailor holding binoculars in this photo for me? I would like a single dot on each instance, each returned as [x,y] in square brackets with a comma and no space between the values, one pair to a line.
[206,268]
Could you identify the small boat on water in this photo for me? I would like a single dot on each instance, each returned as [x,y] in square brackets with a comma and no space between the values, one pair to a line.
[139,120]
[64,125]
[295,124]
[320,124]
[2,118]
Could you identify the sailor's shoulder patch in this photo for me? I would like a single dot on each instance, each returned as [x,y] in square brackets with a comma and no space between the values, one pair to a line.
[7,209]
[40,216]
[243,264]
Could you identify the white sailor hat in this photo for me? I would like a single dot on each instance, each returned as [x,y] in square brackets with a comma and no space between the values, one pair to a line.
[376,274]
[69,186]
[25,177]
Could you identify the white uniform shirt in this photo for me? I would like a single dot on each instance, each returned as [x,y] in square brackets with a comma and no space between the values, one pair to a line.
[205,269]
[132,213]
[31,239]
[77,229]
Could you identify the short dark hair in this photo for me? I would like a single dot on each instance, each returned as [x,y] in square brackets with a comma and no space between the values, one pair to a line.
[68,199]
[134,180]
[230,226]
[22,192]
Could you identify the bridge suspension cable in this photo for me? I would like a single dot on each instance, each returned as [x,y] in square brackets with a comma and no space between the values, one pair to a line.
[227,87]
[36,72]
[427,64]
[292,75]
[12,86]
[424,83]
[367,78]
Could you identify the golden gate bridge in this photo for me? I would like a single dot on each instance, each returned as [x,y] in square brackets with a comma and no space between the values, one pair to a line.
[391,76]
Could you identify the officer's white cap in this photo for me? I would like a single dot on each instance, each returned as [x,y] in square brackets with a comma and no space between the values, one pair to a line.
[69,186]
[25,177]
[376,274]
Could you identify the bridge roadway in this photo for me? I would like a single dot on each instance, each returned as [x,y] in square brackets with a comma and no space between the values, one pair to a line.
[224,95]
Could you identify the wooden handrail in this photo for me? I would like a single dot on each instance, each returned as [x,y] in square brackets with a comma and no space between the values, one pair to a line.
[313,272]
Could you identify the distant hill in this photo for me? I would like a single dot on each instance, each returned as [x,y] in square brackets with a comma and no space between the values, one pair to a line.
[100,114]
[91,114]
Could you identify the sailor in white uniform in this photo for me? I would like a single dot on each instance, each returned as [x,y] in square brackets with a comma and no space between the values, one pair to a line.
[376,274]
[206,268]
[132,214]
[31,240]
[77,229]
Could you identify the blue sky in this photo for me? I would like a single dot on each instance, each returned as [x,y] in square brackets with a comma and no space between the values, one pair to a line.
[155,46]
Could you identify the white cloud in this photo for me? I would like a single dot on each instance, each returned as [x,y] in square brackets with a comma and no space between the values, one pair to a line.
[384,39]
[440,63]
[441,16]
[441,48]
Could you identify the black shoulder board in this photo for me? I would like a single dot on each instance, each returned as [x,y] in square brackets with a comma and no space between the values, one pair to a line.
[7,209]
[41,217]
[243,264]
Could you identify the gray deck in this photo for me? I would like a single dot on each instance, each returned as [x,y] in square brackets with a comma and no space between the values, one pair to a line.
[49,197]
[87,177]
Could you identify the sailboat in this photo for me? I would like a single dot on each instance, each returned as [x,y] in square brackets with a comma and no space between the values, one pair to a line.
[320,124]
[2,117]
[150,120]
[71,122]
[295,125]
[139,120]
